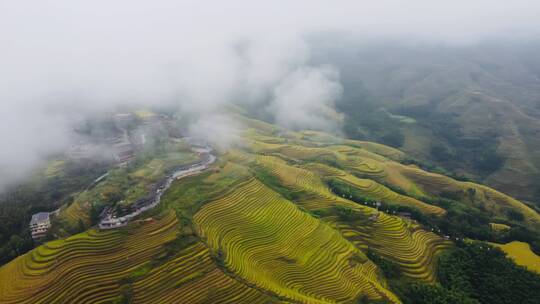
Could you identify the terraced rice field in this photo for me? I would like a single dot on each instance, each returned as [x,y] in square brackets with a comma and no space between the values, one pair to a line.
[262,226]
[499,227]
[522,254]
[295,256]
[413,249]
[376,191]
[365,167]
[357,161]
[155,169]
[413,180]
[193,277]
[314,193]
[353,151]
[492,200]
[130,184]
[298,152]
[375,148]
[145,114]
[294,177]
[54,168]
[308,180]
[84,268]
[77,211]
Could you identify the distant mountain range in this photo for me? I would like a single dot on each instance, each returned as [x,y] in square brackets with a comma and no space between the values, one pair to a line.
[472,110]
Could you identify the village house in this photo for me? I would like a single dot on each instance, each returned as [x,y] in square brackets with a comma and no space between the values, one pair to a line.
[39,225]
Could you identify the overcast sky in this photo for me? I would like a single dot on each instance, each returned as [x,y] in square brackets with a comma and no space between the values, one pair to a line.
[60,60]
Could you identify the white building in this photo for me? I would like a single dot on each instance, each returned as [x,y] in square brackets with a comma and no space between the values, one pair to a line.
[39,225]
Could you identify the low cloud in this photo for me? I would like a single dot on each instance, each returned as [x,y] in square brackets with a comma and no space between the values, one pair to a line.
[305,99]
[64,60]
[26,137]
[218,129]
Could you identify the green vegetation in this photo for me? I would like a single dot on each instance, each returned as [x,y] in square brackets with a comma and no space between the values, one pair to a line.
[469,110]
[389,269]
[485,274]
[188,195]
[287,217]
[522,254]
[419,293]
[44,192]
[387,199]
[371,124]
[122,187]
[473,273]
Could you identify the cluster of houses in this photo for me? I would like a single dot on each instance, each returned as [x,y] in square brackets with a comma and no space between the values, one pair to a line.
[125,146]
[121,146]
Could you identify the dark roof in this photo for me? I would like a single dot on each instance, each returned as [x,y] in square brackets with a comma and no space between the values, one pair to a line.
[39,217]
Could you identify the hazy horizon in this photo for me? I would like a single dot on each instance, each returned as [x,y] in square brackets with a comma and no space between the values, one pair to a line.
[63,61]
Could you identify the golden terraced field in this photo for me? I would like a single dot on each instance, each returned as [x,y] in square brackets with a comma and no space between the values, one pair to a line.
[262,226]
[522,254]
[84,268]
[295,256]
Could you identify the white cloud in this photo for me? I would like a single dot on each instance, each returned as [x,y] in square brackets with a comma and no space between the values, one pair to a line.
[71,57]
[305,98]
